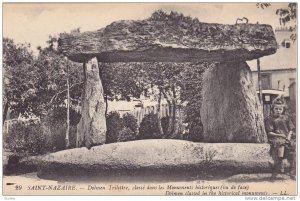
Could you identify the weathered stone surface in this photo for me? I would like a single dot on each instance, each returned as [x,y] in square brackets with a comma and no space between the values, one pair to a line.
[170,38]
[156,158]
[91,130]
[231,111]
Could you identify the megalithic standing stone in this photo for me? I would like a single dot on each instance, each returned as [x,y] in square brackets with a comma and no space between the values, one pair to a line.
[231,111]
[91,129]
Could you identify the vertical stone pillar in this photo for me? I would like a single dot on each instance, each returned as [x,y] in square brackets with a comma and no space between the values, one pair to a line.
[231,111]
[91,129]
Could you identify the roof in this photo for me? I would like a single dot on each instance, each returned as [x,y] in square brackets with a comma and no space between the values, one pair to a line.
[284,58]
[275,92]
[275,69]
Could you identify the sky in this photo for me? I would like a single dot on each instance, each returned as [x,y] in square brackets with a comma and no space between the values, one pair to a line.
[34,22]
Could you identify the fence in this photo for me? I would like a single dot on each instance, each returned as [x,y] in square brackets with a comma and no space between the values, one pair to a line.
[139,113]
[10,122]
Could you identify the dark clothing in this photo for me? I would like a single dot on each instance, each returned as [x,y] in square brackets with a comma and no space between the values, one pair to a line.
[281,125]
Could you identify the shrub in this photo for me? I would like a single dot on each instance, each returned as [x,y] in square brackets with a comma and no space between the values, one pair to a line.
[149,127]
[120,129]
[126,134]
[27,139]
[165,124]
[59,115]
[114,125]
[195,130]
[55,127]
[129,121]
[56,134]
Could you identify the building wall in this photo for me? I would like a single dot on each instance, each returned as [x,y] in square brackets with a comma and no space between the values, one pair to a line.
[284,76]
[281,66]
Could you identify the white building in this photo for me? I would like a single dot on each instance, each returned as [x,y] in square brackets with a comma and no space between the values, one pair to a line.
[278,71]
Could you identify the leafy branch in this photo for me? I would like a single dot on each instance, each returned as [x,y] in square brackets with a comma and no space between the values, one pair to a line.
[57,94]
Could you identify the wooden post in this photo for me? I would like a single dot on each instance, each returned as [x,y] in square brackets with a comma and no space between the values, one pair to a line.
[259,81]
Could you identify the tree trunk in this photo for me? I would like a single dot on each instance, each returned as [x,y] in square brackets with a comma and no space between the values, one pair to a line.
[67,141]
[91,129]
[5,112]
[161,132]
[169,101]
[106,105]
[231,111]
[178,126]
[173,134]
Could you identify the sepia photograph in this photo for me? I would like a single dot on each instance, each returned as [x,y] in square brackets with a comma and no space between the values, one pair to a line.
[161,99]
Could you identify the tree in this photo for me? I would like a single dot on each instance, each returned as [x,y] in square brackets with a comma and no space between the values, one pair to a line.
[288,15]
[176,82]
[114,127]
[163,79]
[191,88]
[35,85]
[148,128]
[120,81]
[125,80]
[63,81]
[19,78]
[263,5]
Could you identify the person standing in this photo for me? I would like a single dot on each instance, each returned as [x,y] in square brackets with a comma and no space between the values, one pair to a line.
[281,135]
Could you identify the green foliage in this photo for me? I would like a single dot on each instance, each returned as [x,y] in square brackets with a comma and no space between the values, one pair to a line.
[40,138]
[51,67]
[18,71]
[191,94]
[58,115]
[120,129]
[174,17]
[263,5]
[287,14]
[164,124]
[28,139]
[149,127]
[34,85]
[120,81]
[126,134]
[55,127]
[56,133]
[130,122]
[195,129]
[114,125]
[179,82]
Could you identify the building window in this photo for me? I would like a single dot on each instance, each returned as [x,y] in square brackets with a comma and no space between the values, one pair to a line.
[266,81]
[286,43]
